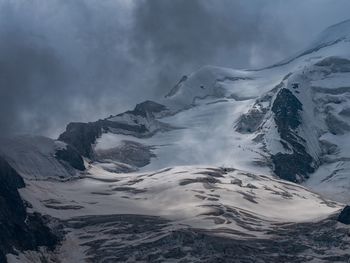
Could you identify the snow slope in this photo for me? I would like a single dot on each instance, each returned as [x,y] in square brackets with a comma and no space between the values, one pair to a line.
[33,157]
[188,194]
[225,203]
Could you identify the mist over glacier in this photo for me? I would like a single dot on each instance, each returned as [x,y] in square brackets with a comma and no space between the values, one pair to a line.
[81,60]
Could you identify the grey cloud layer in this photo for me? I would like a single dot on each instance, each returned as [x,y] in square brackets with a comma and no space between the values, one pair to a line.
[81,60]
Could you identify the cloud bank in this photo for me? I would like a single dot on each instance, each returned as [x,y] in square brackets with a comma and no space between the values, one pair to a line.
[81,60]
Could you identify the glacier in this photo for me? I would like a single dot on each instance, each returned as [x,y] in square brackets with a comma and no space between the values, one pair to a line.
[229,166]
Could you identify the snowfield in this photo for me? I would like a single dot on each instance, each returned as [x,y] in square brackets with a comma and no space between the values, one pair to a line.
[187,194]
[223,202]
[34,157]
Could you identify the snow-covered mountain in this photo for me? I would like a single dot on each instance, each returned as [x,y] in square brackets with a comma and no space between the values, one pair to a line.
[291,119]
[230,166]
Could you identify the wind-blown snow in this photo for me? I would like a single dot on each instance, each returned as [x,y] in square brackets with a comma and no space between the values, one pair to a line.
[205,136]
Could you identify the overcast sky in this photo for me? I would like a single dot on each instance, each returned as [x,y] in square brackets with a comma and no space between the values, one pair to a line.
[64,60]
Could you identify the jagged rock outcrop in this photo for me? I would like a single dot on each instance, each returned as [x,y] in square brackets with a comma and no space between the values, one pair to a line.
[71,156]
[344,216]
[81,136]
[148,108]
[18,229]
[294,163]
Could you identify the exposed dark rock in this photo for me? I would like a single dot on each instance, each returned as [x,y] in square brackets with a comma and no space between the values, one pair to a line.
[286,108]
[295,166]
[148,107]
[206,180]
[251,121]
[176,88]
[231,78]
[292,167]
[148,239]
[70,155]
[139,120]
[81,136]
[123,128]
[132,153]
[344,216]
[295,85]
[18,229]
[128,189]
[212,173]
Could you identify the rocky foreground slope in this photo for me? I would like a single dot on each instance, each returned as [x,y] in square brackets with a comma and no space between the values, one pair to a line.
[230,166]
[19,230]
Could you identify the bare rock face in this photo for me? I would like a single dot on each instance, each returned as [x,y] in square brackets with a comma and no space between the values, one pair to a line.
[71,156]
[148,107]
[18,229]
[81,136]
[344,216]
[286,108]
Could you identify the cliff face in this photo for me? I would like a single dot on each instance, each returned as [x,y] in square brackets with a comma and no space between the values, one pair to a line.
[286,109]
[81,136]
[18,229]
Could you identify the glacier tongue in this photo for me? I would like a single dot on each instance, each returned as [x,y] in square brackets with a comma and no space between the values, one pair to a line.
[169,214]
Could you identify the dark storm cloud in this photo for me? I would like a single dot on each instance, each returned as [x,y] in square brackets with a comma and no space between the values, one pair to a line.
[180,36]
[31,75]
[59,61]
[81,60]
